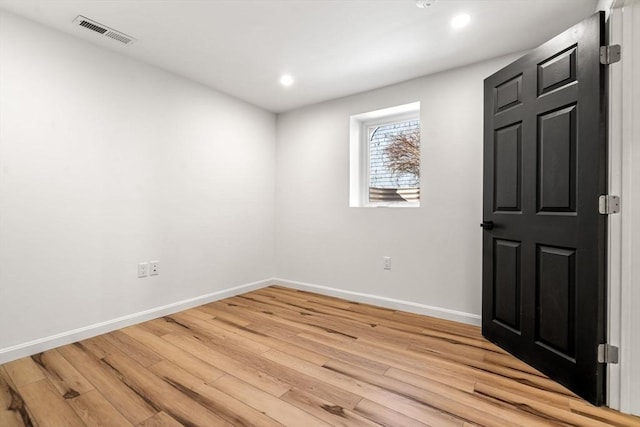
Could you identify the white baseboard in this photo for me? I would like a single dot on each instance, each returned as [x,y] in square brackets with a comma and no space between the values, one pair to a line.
[412,307]
[42,344]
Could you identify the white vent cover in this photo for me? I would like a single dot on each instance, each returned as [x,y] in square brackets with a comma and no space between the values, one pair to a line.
[103,30]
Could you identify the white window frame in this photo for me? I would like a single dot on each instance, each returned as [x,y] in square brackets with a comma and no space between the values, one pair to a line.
[359,151]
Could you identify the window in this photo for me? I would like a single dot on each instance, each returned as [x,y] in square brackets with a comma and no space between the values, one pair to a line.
[385,157]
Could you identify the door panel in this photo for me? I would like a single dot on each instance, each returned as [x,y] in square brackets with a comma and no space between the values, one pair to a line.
[508,94]
[557,71]
[508,155]
[557,160]
[556,300]
[506,285]
[544,169]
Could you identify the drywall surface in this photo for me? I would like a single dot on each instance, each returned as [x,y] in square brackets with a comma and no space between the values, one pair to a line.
[106,162]
[435,249]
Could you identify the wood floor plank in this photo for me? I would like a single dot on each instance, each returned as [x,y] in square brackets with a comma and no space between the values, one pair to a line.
[423,378]
[306,344]
[275,408]
[131,405]
[384,314]
[448,346]
[278,356]
[198,313]
[380,353]
[314,321]
[233,409]
[240,311]
[403,338]
[47,406]
[452,343]
[335,415]
[309,296]
[349,327]
[295,309]
[546,411]
[255,377]
[205,371]
[505,371]
[161,419]
[445,399]
[415,363]
[408,407]
[162,395]
[477,341]
[381,315]
[96,411]
[136,350]
[438,325]
[219,310]
[253,333]
[157,327]
[166,325]
[24,371]
[336,349]
[92,346]
[293,319]
[344,313]
[382,415]
[221,404]
[414,331]
[209,330]
[289,376]
[13,411]
[64,377]
[606,415]
[273,332]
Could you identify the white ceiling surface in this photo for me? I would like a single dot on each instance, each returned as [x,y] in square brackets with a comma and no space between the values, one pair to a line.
[333,48]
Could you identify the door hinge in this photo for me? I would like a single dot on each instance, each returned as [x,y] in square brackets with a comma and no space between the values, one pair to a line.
[608,205]
[608,353]
[610,54]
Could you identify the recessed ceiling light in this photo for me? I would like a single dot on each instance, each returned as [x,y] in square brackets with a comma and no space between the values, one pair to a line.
[423,4]
[460,21]
[286,80]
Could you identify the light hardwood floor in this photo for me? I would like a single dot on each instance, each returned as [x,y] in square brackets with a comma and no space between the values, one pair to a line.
[284,357]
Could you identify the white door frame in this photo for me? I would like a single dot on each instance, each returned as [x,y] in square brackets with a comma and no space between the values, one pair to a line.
[624,229]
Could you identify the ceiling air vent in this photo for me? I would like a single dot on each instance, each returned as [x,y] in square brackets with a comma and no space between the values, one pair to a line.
[92,25]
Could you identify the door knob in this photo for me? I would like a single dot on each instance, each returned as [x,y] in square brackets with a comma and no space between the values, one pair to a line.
[487,225]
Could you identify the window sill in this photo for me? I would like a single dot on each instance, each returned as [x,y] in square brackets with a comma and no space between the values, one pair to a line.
[389,205]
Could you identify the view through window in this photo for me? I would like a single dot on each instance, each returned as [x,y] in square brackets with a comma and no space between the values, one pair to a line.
[394,161]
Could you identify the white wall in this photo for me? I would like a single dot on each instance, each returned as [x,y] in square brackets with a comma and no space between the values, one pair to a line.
[106,162]
[435,249]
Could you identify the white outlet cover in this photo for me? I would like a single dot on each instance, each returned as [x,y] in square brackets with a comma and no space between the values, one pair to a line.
[143,269]
[154,268]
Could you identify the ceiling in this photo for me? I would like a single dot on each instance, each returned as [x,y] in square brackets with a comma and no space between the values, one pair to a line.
[333,48]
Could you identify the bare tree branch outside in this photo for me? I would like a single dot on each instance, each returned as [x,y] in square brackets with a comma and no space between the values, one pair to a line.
[403,154]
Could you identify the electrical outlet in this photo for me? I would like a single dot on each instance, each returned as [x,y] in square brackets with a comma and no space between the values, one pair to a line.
[154,268]
[143,269]
[386,262]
